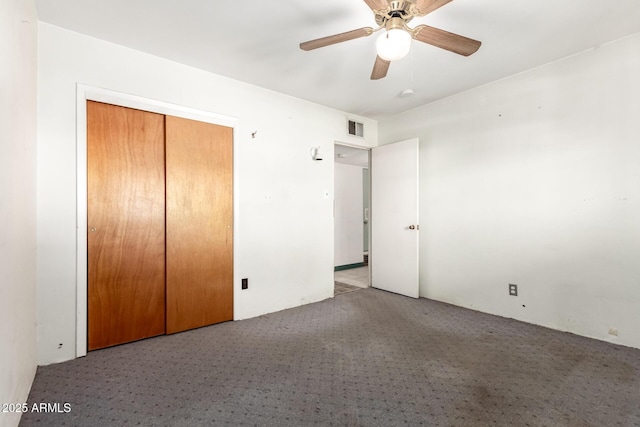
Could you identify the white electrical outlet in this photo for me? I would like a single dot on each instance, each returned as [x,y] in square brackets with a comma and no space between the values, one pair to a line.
[613,331]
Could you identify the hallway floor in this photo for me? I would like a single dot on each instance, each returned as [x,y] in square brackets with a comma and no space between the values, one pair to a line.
[355,276]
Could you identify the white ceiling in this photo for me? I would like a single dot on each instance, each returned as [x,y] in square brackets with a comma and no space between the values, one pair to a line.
[256,41]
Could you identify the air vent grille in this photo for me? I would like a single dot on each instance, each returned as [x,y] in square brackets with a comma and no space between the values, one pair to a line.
[356,129]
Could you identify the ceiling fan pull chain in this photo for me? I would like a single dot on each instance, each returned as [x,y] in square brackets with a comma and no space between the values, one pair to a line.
[412,63]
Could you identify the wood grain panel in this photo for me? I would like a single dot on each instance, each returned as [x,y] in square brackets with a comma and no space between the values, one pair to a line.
[126,247]
[199,180]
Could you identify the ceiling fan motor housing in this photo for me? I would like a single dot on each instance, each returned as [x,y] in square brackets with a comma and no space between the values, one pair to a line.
[395,24]
[400,9]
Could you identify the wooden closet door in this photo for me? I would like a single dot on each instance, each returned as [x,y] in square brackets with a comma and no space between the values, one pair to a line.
[126,204]
[199,224]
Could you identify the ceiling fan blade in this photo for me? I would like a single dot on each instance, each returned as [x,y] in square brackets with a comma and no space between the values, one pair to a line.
[446,40]
[423,7]
[380,68]
[336,38]
[377,5]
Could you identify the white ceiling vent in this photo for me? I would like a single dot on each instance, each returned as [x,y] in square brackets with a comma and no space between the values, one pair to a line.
[356,129]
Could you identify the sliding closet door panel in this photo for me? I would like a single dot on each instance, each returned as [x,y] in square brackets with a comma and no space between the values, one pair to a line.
[199,224]
[126,204]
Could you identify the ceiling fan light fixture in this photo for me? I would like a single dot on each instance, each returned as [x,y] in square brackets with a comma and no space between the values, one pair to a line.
[393,44]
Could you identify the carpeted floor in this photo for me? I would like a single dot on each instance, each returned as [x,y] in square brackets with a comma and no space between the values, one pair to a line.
[366,358]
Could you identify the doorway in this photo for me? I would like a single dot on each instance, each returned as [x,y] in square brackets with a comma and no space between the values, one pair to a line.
[352,190]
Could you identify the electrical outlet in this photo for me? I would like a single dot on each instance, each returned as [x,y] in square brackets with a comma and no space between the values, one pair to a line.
[613,331]
[513,290]
[245,283]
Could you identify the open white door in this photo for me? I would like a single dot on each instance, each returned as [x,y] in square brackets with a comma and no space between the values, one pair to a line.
[394,218]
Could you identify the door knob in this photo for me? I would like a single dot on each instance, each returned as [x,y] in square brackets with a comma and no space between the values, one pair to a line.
[412,227]
[93,229]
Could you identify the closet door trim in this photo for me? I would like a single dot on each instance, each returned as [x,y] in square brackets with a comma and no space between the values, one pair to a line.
[86,93]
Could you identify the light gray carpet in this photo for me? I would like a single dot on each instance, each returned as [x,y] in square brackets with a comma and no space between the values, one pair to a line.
[366,358]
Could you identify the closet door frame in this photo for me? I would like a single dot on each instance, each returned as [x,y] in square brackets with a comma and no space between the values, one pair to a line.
[86,93]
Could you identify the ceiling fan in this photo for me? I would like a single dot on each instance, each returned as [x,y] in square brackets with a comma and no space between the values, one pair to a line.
[395,43]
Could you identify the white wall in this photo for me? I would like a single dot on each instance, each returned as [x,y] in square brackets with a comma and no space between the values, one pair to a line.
[348,231]
[279,190]
[18,54]
[535,180]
